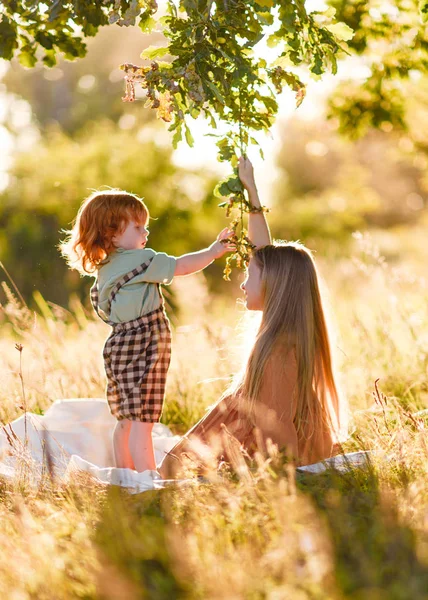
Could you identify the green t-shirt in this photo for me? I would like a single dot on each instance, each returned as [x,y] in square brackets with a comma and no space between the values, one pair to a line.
[140,295]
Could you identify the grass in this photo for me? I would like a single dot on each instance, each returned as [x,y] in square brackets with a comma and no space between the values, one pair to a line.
[266,532]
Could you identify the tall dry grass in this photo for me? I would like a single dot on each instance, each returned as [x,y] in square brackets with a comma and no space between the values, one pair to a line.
[255,531]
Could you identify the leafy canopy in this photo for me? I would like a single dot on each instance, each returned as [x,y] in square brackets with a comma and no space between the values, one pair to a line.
[216,71]
[59,26]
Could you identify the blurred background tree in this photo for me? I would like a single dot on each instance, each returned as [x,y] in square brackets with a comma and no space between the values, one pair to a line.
[69,132]
[333,187]
[390,45]
[49,183]
[374,175]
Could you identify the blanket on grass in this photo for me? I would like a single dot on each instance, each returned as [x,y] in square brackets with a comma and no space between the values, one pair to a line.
[75,435]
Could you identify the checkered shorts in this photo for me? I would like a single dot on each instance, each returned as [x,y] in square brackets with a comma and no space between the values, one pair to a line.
[136,355]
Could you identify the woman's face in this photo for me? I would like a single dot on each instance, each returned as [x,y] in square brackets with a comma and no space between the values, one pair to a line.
[252,286]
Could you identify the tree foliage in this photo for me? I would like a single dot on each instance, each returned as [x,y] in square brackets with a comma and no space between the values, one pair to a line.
[392,40]
[49,182]
[60,26]
[217,72]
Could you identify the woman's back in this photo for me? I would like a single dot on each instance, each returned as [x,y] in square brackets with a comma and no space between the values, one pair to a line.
[273,417]
[275,412]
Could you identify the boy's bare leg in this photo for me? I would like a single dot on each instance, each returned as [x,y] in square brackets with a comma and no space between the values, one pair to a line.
[122,455]
[141,446]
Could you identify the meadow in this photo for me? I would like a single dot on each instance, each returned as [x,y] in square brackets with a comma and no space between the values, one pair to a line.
[268,531]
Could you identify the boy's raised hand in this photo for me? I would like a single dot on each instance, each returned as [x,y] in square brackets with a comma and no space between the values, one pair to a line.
[246,172]
[222,245]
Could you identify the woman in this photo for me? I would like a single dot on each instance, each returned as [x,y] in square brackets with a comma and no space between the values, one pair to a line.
[287,392]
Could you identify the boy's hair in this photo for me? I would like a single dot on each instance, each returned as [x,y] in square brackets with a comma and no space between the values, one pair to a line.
[102,215]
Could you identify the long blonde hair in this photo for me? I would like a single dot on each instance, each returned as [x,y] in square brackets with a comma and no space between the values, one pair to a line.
[100,217]
[293,320]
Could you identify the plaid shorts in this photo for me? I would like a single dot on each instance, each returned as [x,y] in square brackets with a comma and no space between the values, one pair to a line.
[137,355]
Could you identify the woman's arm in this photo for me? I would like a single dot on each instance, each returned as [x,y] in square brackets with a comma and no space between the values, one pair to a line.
[258,230]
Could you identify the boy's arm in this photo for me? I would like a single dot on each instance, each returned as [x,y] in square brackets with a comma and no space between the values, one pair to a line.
[196,261]
[258,230]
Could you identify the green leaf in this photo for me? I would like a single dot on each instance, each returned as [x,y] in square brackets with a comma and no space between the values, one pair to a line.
[189,137]
[270,103]
[282,61]
[72,47]
[423,9]
[213,123]
[226,154]
[234,184]
[177,137]
[90,30]
[194,112]
[8,41]
[228,185]
[164,21]
[49,58]
[162,64]
[272,41]
[265,18]
[222,143]
[154,52]
[174,125]
[266,3]
[317,66]
[27,59]
[341,31]
[330,12]
[147,24]
[216,91]
[217,191]
[45,39]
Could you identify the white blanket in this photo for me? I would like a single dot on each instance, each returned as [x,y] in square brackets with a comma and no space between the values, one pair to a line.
[78,434]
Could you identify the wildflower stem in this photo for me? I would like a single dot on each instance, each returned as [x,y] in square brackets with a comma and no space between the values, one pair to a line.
[14,285]
[19,347]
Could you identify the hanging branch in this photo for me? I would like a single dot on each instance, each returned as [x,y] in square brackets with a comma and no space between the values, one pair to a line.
[41,32]
[214,72]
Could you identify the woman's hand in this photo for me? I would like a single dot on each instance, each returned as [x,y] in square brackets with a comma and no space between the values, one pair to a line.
[222,245]
[246,173]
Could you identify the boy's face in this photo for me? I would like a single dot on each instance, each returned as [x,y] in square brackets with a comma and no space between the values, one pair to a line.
[132,237]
